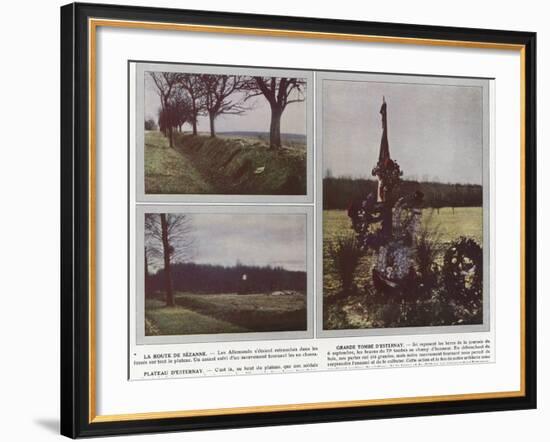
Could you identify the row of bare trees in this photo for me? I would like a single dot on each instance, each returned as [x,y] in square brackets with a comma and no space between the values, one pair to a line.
[184,97]
[168,241]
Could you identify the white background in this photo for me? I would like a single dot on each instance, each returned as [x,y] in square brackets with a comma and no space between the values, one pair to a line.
[30,186]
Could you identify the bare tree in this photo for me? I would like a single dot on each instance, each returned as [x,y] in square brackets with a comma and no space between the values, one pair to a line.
[166,120]
[192,84]
[168,240]
[182,108]
[165,83]
[174,114]
[279,92]
[146,272]
[218,100]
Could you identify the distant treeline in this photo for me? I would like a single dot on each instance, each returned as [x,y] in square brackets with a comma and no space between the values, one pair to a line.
[206,278]
[338,193]
[287,138]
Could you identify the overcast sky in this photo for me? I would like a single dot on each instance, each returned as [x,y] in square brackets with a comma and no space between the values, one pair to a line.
[253,239]
[434,131]
[257,119]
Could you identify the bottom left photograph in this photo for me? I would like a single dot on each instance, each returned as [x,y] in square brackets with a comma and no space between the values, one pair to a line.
[216,271]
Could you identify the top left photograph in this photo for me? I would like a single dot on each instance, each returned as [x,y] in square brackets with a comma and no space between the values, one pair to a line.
[221,133]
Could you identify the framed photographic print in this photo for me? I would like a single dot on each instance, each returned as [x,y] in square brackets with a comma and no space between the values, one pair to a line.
[275,220]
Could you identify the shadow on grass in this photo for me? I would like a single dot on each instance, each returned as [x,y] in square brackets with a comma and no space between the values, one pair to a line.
[253,319]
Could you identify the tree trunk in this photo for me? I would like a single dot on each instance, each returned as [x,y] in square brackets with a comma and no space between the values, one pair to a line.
[166,253]
[212,127]
[146,263]
[194,118]
[275,128]
[146,273]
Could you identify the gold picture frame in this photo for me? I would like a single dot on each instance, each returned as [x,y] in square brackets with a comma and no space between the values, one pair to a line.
[80,24]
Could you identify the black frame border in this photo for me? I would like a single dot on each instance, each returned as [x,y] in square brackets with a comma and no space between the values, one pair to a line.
[75,219]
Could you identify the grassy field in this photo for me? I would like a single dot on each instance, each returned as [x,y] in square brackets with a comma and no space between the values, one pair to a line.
[223,165]
[168,171]
[161,320]
[449,225]
[226,313]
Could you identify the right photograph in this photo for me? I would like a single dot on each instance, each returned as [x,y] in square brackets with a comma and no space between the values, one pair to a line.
[404,202]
